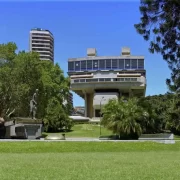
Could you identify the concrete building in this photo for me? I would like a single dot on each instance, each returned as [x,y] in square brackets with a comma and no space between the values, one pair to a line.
[97,79]
[42,41]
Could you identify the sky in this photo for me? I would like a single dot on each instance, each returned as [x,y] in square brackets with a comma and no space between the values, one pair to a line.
[77,25]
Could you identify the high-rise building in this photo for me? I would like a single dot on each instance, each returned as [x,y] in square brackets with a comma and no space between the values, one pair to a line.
[99,78]
[42,41]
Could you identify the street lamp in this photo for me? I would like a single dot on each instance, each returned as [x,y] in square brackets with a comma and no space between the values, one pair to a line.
[100,115]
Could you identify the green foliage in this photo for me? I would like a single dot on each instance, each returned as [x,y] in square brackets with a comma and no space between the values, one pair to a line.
[160,24]
[56,118]
[166,111]
[124,118]
[7,51]
[161,18]
[21,74]
[173,115]
[157,107]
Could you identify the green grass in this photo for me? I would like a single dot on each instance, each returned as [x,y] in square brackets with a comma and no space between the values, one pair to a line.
[176,137]
[87,130]
[89,160]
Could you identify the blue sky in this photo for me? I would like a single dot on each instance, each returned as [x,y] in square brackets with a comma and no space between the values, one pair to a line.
[107,26]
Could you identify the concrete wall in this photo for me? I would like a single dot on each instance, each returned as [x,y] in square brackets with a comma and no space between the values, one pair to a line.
[89,105]
[103,98]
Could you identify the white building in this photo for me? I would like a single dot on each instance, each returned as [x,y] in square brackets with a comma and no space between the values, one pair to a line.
[42,41]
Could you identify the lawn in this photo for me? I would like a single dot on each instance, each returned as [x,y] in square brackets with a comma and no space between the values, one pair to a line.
[89,160]
[87,130]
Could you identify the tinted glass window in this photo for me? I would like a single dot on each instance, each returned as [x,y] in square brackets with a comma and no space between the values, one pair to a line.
[95,64]
[127,63]
[89,64]
[133,63]
[108,63]
[83,65]
[102,64]
[71,66]
[121,63]
[140,63]
[114,64]
[77,65]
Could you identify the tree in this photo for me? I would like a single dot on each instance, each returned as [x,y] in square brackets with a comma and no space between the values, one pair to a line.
[173,115]
[21,74]
[124,118]
[56,118]
[160,24]
[8,51]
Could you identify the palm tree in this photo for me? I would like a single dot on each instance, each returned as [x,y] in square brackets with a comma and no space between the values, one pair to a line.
[124,118]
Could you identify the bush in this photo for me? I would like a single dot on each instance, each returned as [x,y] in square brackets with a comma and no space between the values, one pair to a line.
[56,118]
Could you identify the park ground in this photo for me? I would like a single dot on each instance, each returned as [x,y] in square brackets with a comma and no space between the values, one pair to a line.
[32,160]
[89,160]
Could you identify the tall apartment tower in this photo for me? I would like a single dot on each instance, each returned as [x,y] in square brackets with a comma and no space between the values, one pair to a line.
[97,79]
[42,41]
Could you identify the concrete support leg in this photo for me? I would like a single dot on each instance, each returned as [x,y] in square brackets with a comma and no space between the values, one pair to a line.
[86,105]
[90,111]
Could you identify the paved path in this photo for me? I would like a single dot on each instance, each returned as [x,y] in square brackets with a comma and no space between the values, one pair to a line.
[87,140]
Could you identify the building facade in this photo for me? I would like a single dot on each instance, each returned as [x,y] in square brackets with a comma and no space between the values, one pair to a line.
[42,41]
[97,79]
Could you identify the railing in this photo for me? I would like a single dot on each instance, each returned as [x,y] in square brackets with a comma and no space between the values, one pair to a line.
[93,80]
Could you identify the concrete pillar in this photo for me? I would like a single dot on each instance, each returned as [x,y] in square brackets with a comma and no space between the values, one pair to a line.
[90,111]
[85,104]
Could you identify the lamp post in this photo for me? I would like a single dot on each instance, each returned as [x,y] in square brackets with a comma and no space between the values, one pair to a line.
[100,116]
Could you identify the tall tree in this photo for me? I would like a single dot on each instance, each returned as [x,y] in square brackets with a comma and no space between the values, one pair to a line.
[21,74]
[160,24]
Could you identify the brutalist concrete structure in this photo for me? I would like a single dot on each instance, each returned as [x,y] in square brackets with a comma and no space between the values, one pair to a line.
[99,78]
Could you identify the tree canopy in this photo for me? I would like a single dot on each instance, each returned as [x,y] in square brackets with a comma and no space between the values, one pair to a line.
[21,74]
[160,24]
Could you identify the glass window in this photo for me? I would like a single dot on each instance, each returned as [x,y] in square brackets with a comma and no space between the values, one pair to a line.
[95,64]
[108,63]
[133,79]
[94,80]
[107,79]
[76,80]
[83,65]
[101,64]
[127,63]
[88,80]
[82,80]
[140,63]
[77,65]
[121,79]
[133,63]
[114,63]
[101,79]
[127,79]
[121,63]
[89,64]
[70,66]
